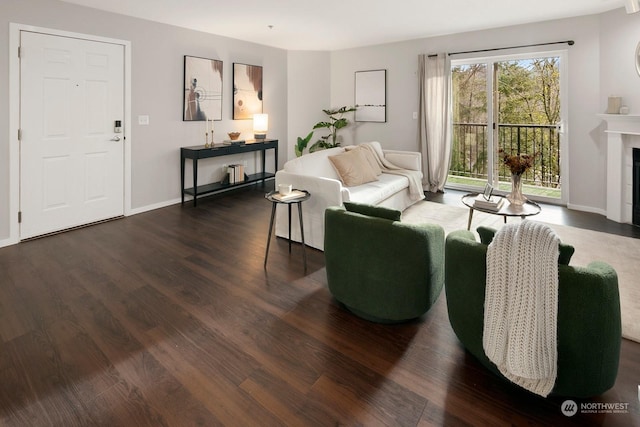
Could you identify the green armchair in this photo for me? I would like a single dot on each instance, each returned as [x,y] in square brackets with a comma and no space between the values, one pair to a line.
[379,268]
[589,328]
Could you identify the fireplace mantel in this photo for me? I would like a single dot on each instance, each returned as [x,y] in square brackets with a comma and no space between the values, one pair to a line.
[622,136]
[622,123]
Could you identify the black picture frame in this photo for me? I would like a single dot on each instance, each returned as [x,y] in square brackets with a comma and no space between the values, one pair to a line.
[202,89]
[247,91]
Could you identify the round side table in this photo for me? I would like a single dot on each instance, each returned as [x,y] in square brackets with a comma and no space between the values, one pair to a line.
[275,199]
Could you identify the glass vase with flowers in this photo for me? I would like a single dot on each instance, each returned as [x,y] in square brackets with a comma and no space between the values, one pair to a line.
[518,164]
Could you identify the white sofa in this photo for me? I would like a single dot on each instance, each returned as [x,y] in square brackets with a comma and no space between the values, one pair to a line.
[314,172]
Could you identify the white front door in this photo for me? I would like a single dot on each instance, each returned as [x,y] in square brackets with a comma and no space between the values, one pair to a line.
[71,159]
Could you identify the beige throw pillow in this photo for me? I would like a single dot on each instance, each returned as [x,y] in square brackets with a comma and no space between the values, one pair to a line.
[369,157]
[353,168]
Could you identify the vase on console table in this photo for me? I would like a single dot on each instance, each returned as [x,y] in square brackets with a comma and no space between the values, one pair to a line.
[516,197]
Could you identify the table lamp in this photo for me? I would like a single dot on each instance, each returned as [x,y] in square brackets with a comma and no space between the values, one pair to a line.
[260,125]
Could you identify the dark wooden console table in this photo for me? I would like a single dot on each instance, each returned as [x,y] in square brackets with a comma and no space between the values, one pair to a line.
[198,152]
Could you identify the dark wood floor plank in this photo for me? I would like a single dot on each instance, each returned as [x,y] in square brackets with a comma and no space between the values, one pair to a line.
[277,397]
[84,372]
[268,340]
[372,401]
[168,318]
[15,316]
[47,383]
[19,405]
[149,393]
[123,406]
[210,367]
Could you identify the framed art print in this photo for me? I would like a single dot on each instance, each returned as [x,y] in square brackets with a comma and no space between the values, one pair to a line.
[371,96]
[247,91]
[202,89]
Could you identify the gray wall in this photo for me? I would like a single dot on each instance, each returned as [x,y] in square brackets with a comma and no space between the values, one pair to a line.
[157,75]
[309,93]
[619,36]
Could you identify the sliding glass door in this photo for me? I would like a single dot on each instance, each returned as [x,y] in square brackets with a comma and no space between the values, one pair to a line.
[509,105]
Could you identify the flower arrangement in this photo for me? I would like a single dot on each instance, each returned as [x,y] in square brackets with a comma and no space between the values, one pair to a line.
[517,163]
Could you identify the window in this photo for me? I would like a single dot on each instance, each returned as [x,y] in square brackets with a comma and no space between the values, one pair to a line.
[510,104]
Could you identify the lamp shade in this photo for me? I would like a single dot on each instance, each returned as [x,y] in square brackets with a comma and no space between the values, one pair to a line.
[632,6]
[260,125]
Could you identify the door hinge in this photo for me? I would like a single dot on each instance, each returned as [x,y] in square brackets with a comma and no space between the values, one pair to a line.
[19,51]
[19,134]
[19,217]
[494,126]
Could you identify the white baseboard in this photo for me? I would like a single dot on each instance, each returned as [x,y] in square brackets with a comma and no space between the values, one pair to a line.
[10,241]
[153,207]
[7,242]
[589,209]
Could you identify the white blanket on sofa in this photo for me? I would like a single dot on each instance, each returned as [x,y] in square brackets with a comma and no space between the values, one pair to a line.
[414,177]
[521,305]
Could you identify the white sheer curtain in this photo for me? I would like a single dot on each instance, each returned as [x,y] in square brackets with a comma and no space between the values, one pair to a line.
[434,76]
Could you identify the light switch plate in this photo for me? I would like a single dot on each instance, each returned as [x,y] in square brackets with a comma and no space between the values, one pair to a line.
[143,120]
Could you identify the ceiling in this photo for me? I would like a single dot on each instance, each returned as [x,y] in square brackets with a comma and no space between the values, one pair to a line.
[341,24]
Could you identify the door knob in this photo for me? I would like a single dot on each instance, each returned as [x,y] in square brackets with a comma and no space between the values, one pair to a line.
[115,138]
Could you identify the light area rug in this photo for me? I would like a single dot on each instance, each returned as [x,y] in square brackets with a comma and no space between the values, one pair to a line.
[622,253]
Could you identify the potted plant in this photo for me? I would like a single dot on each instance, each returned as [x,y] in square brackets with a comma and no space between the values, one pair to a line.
[335,122]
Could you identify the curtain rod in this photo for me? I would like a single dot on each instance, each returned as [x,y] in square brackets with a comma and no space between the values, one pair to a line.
[569,42]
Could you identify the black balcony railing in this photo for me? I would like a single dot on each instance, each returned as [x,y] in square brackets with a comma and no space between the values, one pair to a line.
[470,151]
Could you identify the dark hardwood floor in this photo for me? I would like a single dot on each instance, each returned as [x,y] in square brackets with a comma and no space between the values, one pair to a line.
[167,318]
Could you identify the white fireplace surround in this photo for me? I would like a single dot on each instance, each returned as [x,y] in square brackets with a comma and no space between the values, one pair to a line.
[623,135]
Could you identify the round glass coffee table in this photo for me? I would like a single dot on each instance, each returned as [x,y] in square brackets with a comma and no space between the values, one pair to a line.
[530,208]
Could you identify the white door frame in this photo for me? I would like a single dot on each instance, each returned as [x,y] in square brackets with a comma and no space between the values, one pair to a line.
[14,119]
[564,103]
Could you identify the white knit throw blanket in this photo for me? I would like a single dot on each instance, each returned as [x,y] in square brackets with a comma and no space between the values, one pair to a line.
[521,305]
[415,177]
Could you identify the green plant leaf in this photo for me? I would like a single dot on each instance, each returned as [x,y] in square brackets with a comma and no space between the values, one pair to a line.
[346,110]
[339,124]
[319,145]
[322,125]
[302,144]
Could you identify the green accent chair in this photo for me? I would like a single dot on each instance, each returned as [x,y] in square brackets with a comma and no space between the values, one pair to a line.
[589,328]
[379,268]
